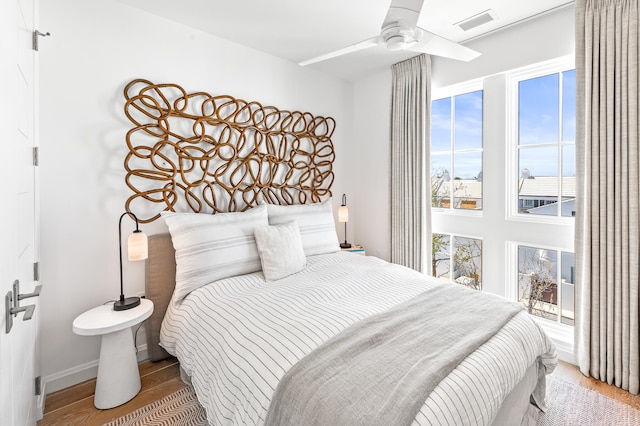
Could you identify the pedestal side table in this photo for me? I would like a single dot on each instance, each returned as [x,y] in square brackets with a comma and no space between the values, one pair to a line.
[118,376]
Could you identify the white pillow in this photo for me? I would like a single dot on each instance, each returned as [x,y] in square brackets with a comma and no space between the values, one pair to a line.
[280,249]
[213,247]
[317,228]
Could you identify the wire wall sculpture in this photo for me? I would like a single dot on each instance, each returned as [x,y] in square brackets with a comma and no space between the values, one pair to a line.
[209,154]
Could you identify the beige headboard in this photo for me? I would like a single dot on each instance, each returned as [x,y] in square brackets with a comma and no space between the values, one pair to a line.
[160,280]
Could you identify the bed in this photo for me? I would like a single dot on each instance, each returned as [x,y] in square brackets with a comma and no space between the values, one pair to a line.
[236,337]
[271,322]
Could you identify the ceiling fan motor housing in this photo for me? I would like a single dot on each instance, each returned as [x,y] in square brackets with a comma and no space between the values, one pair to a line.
[399,36]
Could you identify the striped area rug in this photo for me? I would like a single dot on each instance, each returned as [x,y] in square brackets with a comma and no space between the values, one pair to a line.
[568,405]
[181,408]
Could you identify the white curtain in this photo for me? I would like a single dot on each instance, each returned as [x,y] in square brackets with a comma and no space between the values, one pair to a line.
[608,197]
[410,192]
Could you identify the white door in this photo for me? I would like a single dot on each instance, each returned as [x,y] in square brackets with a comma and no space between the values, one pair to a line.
[19,360]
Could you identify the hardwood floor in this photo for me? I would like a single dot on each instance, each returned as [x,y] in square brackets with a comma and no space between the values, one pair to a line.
[74,405]
[572,374]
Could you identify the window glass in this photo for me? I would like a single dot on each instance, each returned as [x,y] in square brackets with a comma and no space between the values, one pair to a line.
[456,151]
[467,182]
[440,258]
[546,149]
[465,254]
[538,290]
[441,125]
[467,262]
[568,204]
[468,121]
[539,272]
[568,289]
[538,110]
[441,180]
[538,182]
[569,106]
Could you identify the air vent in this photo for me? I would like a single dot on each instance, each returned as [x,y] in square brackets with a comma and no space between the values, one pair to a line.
[477,20]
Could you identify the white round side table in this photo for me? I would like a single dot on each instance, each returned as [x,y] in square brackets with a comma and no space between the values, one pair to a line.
[118,376]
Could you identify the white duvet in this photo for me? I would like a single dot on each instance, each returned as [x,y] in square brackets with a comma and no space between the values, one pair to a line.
[237,337]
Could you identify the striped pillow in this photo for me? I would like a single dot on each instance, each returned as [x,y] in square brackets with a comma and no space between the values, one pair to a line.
[317,228]
[213,247]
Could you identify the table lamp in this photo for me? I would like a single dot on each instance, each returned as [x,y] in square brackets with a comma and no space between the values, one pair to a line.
[343,216]
[137,249]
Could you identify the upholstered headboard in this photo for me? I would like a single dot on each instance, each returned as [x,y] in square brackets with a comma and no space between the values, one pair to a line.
[159,284]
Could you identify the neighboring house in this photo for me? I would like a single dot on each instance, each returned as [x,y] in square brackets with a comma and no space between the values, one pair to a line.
[540,195]
[467,194]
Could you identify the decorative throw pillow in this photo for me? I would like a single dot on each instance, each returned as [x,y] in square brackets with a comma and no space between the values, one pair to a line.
[317,227]
[280,249]
[213,247]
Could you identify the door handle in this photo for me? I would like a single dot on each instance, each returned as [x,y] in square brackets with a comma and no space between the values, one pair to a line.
[12,308]
[19,297]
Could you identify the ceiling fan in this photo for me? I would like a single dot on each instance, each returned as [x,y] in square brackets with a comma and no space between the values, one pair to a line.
[400,32]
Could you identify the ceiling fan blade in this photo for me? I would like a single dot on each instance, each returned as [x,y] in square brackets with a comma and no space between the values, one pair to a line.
[440,46]
[370,42]
[405,11]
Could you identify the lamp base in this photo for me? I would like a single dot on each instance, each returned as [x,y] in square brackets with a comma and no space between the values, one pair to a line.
[127,303]
[345,245]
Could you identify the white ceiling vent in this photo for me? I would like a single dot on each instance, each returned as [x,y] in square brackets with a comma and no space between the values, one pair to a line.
[477,20]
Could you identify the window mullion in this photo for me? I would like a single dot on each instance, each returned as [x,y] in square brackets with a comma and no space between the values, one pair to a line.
[559,144]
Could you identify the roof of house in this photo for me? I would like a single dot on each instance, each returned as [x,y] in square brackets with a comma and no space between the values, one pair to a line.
[533,187]
[547,186]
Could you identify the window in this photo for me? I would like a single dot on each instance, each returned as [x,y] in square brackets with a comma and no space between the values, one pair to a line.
[541,195]
[539,272]
[456,151]
[497,237]
[465,254]
[546,144]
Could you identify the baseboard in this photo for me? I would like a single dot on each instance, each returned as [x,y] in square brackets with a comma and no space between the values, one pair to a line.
[80,373]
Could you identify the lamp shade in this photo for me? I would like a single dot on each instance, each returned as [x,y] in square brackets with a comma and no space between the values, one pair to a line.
[137,246]
[343,214]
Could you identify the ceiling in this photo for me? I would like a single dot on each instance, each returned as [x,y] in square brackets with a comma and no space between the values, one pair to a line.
[296,30]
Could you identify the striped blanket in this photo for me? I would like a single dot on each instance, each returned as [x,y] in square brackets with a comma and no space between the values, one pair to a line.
[236,338]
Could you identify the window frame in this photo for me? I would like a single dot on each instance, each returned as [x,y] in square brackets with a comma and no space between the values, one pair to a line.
[561,333]
[450,92]
[512,172]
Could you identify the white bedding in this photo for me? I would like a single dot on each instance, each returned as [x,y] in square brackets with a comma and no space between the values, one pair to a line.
[237,337]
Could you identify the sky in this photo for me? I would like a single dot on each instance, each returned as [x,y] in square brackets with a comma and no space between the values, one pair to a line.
[538,126]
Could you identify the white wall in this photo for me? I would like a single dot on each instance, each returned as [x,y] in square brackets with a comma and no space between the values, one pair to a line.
[549,36]
[94,50]
[368,170]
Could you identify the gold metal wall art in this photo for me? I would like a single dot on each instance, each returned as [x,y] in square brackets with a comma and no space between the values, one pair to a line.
[208,154]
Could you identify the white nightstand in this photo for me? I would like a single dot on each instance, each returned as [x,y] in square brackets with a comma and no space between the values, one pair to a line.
[118,375]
